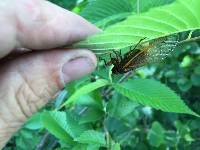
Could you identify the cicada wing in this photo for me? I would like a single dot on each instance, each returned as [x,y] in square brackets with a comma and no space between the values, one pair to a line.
[155,53]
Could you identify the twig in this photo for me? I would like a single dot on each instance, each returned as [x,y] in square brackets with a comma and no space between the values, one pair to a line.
[189,40]
[108,137]
[122,79]
[83,110]
[43,141]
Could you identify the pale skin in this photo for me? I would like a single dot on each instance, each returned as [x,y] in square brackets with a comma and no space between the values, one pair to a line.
[32,68]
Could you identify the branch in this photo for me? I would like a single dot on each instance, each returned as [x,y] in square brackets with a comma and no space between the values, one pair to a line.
[43,141]
[189,40]
[107,92]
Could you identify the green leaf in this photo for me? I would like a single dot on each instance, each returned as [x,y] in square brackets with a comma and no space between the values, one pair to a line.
[103,12]
[56,123]
[61,148]
[184,84]
[120,106]
[85,90]
[89,100]
[80,147]
[73,127]
[197,70]
[154,94]
[116,146]
[91,115]
[195,79]
[156,135]
[64,125]
[158,22]
[92,137]
[34,123]
[186,62]
[93,147]
[145,5]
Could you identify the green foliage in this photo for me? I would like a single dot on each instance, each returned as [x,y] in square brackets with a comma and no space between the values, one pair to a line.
[84,90]
[120,107]
[91,116]
[63,124]
[104,111]
[104,12]
[34,122]
[92,137]
[56,123]
[116,147]
[158,22]
[154,94]
[156,135]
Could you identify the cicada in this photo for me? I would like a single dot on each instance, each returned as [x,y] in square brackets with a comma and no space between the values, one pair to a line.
[141,55]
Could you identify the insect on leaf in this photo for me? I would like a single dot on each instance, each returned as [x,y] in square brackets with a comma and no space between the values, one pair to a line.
[153,51]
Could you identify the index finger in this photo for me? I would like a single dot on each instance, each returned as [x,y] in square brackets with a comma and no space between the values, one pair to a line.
[37,24]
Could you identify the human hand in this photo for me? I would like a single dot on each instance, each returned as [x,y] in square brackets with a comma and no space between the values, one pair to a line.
[30,74]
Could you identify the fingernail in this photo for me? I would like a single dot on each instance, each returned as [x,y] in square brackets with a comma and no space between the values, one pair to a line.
[76,68]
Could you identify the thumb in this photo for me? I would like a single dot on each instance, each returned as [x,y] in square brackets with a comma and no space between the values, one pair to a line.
[28,82]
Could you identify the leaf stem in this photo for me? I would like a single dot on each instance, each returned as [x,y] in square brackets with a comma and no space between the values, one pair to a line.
[43,141]
[108,137]
[189,40]
[107,92]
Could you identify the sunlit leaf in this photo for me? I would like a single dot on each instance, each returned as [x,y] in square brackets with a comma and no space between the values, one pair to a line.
[158,22]
[92,137]
[85,89]
[154,94]
[56,123]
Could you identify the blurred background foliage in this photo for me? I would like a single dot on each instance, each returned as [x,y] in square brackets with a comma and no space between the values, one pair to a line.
[127,125]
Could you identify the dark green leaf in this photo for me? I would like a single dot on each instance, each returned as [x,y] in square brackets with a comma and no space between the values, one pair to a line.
[116,146]
[154,94]
[92,137]
[56,123]
[34,122]
[120,106]
[85,90]
[156,135]
[184,84]
[91,115]
[195,79]
[103,12]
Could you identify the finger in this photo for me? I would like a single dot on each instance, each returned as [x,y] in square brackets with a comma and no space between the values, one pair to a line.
[28,82]
[36,24]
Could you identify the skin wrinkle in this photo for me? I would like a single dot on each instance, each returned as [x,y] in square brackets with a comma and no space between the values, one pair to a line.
[48,91]
[19,98]
[33,96]
[14,114]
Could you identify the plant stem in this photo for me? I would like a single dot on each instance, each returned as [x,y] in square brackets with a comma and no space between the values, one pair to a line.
[108,138]
[43,141]
[189,40]
[122,79]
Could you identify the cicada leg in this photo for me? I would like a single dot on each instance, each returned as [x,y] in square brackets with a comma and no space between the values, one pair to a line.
[118,55]
[137,44]
[105,63]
